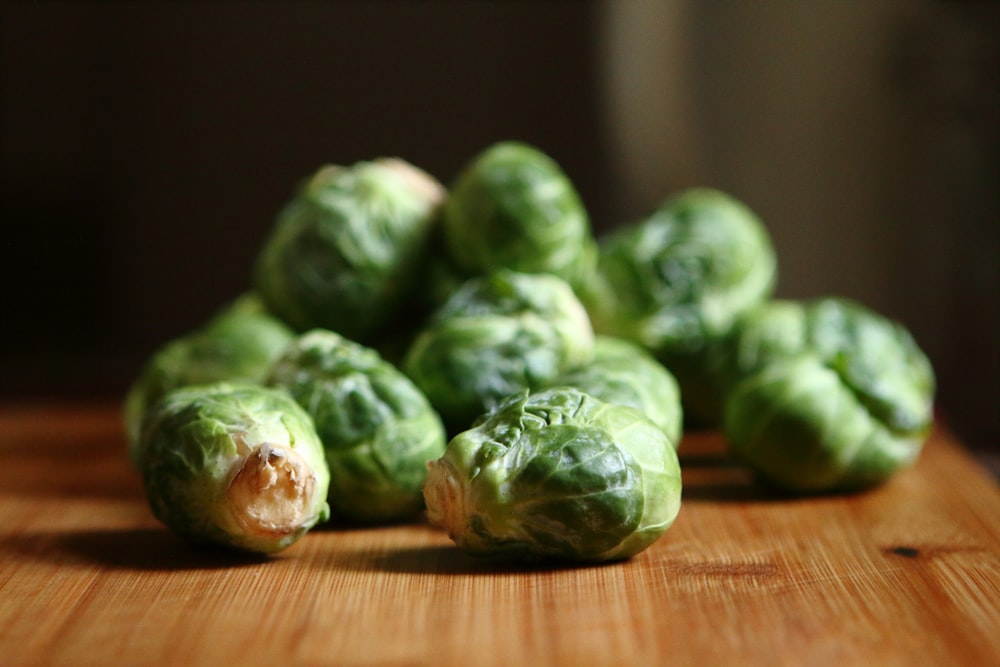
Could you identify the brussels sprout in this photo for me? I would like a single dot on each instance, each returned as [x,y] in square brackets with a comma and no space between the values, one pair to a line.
[378,430]
[513,208]
[626,373]
[238,343]
[495,336]
[234,464]
[676,281]
[826,395]
[556,474]
[346,251]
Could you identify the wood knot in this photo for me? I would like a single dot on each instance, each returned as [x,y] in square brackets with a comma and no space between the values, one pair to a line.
[906,552]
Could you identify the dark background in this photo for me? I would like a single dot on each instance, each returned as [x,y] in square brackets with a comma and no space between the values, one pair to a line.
[147,146]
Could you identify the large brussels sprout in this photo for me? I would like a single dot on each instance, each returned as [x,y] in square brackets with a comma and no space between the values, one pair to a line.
[378,430]
[826,395]
[513,207]
[626,373]
[556,474]
[346,251]
[675,282]
[238,343]
[234,464]
[498,335]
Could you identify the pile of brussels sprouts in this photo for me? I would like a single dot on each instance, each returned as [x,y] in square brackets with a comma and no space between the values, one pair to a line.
[476,353]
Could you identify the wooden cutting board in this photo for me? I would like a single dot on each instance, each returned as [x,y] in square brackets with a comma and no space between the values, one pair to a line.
[907,574]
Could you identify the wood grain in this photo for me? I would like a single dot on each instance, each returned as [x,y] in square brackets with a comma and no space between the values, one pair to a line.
[907,574]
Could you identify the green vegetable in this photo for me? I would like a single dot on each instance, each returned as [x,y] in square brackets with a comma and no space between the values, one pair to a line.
[676,281]
[239,343]
[826,395]
[234,464]
[346,252]
[512,207]
[624,372]
[378,430]
[498,335]
[556,474]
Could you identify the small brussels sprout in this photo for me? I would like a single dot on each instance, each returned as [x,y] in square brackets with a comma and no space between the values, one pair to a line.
[345,253]
[498,335]
[234,464]
[512,207]
[676,281]
[378,430]
[556,474]
[238,343]
[826,395]
[626,373]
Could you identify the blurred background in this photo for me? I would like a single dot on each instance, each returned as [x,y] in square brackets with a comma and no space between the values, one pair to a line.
[146,148]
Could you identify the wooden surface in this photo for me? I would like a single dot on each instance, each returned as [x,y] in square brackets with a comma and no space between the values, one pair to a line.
[908,574]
